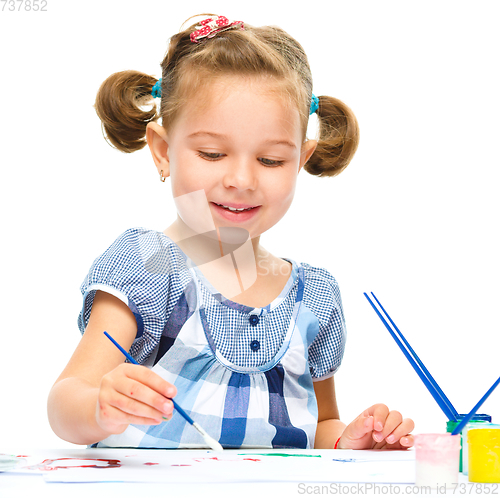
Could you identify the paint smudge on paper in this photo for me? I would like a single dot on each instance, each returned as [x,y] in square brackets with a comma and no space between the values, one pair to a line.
[54,464]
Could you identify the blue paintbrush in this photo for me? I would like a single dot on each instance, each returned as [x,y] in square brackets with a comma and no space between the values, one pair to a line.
[466,419]
[443,396]
[209,440]
[423,377]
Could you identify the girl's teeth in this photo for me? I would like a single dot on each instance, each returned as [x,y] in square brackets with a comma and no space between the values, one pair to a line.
[234,209]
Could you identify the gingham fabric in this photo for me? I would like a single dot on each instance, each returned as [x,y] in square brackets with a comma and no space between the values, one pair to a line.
[244,374]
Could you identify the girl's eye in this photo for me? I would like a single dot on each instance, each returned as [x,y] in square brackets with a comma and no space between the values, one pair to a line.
[210,156]
[215,156]
[270,162]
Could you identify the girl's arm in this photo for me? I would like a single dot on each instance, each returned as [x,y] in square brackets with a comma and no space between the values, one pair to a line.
[98,394]
[330,428]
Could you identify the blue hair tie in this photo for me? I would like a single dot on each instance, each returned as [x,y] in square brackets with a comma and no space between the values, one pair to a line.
[156,91]
[314,104]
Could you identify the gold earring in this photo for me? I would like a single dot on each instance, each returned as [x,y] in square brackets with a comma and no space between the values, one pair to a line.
[162,178]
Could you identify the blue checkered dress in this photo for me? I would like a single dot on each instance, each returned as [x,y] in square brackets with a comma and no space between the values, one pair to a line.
[244,374]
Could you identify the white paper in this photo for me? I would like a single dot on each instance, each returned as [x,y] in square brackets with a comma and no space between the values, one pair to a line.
[237,466]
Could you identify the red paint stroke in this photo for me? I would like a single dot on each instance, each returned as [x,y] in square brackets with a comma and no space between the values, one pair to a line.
[252,459]
[22,456]
[151,463]
[48,464]
[180,465]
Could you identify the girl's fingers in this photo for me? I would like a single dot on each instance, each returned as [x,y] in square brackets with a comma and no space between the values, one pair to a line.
[379,413]
[132,406]
[403,444]
[389,427]
[360,427]
[357,435]
[378,428]
[407,441]
[392,421]
[151,379]
[134,390]
[402,431]
[117,420]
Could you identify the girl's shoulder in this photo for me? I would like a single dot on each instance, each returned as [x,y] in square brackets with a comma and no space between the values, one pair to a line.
[141,241]
[319,278]
[321,290]
[150,248]
[141,257]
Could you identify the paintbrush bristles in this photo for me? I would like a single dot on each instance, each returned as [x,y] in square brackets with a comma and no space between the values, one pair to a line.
[209,440]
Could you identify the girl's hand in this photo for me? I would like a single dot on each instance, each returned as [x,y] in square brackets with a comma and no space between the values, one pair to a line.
[378,428]
[133,394]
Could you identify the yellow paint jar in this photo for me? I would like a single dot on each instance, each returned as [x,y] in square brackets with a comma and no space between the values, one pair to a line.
[465,445]
[484,454]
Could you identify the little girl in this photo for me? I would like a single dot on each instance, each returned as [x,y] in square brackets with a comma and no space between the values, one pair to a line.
[247,342]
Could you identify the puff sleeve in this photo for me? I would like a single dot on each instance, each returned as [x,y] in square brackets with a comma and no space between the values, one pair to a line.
[145,270]
[322,297]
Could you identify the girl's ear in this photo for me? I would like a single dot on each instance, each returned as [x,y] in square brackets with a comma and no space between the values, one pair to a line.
[307,151]
[156,136]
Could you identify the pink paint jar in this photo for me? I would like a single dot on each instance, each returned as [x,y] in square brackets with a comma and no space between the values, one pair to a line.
[437,459]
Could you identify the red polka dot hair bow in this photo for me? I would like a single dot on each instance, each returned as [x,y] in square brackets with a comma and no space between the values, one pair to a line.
[212,26]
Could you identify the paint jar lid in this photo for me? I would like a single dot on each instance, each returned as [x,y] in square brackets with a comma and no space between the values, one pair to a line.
[484,435]
[478,417]
[442,441]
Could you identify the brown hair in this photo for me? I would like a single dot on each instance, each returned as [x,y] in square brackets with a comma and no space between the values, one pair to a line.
[266,51]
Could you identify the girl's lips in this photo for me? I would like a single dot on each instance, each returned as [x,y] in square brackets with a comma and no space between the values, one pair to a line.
[236,216]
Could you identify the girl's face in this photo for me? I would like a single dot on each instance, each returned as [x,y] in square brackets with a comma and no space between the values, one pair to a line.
[242,147]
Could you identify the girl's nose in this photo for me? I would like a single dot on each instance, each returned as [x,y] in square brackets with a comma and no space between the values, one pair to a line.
[240,174]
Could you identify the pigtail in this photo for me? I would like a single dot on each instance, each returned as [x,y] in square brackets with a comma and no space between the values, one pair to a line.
[119,105]
[338,138]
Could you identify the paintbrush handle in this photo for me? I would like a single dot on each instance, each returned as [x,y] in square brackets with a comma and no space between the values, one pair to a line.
[443,396]
[419,372]
[125,353]
[181,411]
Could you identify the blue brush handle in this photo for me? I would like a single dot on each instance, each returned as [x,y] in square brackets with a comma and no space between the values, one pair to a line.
[422,376]
[125,353]
[132,360]
[422,366]
[466,419]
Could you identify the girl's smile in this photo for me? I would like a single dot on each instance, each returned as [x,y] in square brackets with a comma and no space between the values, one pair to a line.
[236,213]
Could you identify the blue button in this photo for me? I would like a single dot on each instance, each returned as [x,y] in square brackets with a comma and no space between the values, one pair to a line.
[254,320]
[255,345]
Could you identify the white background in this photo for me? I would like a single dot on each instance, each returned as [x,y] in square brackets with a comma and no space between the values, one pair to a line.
[414,218]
